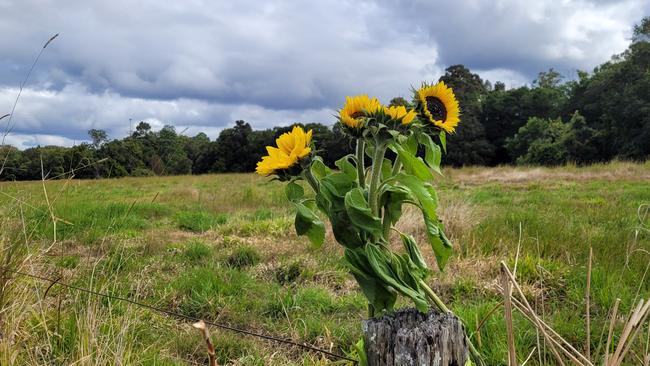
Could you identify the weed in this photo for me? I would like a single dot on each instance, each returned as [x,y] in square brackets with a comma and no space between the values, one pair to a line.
[243,257]
[68,261]
[287,274]
[196,250]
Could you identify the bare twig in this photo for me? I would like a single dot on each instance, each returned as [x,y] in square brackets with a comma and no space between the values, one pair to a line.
[587,306]
[574,354]
[611,330]
[203,329]
[507,306]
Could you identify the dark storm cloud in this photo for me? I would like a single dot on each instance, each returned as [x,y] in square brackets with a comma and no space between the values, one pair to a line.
[204,64]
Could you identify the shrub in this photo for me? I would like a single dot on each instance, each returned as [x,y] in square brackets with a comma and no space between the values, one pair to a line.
[243,257]
[288,273]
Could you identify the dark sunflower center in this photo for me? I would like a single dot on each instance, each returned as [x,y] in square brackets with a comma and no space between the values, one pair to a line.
[357,114]
[436,108]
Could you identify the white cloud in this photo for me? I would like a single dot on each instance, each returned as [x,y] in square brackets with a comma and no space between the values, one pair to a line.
[24,141]
[204,64]
[73,110]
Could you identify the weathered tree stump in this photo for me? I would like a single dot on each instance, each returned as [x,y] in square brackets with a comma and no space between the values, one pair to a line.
[410,338]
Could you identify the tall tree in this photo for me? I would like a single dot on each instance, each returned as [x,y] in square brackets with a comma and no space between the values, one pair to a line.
[468,146]
[98,137]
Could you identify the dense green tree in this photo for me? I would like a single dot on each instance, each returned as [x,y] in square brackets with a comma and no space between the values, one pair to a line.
[539,142]
[615,100]
[468,145]
[579,141]
[233,152]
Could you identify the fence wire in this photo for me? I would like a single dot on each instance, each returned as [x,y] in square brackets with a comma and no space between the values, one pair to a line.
[57,281]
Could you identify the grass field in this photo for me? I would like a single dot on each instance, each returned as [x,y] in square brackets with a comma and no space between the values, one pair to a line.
[223,248]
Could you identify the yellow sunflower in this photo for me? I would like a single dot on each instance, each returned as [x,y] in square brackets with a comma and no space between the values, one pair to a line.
[439,106]
[292,146]
[355,109]
[399,113]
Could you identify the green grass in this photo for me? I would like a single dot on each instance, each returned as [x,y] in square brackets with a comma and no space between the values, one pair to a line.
[222,248]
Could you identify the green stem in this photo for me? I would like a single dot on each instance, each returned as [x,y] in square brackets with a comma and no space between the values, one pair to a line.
[361,169]
[476,356]
[371,311]
[312,181]
[396,166]
[377,160]
[386,226]
[434,297]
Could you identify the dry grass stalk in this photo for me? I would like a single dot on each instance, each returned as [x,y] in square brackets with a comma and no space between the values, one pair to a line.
[203,329]
[587,303]
[530,355]
[507,293]
[553,337]
[631,331]
[611,330]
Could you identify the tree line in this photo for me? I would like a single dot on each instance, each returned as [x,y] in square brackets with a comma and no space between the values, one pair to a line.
[597,117]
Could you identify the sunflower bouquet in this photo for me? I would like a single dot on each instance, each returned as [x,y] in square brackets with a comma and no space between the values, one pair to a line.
[364,203]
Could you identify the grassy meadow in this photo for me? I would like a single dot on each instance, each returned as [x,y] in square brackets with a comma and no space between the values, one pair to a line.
[223,248]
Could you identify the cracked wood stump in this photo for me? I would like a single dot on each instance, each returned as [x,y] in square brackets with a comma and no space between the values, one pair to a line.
[410,338]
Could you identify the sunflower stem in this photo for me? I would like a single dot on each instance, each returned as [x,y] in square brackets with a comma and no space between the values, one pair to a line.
[386,225]
[396,166]
[312,181]
[476,356]
[361,169]
[377,160]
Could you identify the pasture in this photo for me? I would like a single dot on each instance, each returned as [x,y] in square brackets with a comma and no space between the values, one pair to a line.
[223,248]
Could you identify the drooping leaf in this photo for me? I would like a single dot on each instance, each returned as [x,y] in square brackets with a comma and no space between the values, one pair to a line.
[421,191]
[318,169]
[440,245]
[392,197]
[294,191]
[309,224]
[360,213]
[427,202]
[443,140]
[413,164]
[347,167]
[411,144]
[377,293]
[411,247]
[389,269]
[432,152]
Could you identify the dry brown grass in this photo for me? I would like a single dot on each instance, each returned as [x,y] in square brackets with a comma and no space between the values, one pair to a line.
[458,215]
[517,175]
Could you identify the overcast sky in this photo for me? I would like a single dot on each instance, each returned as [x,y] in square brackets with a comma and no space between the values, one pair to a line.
[201,65]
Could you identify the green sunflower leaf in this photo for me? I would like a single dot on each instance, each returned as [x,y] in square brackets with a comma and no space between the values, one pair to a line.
[347,167]
[360,213]
[294,191]
[318,169]
[432,152]
[413,164]
[309,224]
